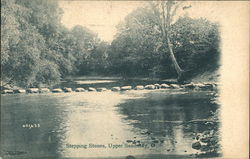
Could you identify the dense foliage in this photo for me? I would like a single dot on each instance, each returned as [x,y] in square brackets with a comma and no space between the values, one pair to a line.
[36,49]
[137,48]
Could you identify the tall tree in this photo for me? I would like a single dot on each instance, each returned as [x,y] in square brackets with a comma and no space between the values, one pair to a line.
[165,12]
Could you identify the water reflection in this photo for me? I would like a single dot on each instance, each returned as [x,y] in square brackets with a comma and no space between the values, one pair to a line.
[165,116]
[156,122]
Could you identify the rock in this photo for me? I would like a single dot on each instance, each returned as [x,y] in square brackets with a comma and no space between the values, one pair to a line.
[44,90]
[115,89]
[57,90]
[129,141]
[150,86]
[205,139]
[33,90]
[204,148]
[130,157]
[125,88]
[65,89]
[174,86]
[209,86]
[91,89]
[20,91]
[165,85]
[199,85]
[196,145]
[101,89]
[79,89]
[157,86]
[190,86]
[139,87]
[7,91]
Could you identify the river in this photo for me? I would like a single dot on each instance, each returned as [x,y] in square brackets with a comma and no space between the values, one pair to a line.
[103,124]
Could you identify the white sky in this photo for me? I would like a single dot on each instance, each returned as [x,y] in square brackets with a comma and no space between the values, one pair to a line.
[103,16]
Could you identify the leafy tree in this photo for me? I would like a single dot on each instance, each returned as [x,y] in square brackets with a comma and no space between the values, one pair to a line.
[196,44]
[164,12]
[140,49]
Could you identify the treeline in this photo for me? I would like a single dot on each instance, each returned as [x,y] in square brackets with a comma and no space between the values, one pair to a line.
[36,49]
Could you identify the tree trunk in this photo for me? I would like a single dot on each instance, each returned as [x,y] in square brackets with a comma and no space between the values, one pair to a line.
[176,65]
[165,25]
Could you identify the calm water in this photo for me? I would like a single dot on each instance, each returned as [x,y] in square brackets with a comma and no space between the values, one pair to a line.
[157,122]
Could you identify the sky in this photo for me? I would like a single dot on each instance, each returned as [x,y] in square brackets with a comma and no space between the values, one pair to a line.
[102,17]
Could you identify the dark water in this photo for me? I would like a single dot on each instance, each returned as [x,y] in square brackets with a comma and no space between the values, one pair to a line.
[157,122]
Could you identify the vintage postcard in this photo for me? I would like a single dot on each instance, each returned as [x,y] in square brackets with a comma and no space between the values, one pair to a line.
[124,79]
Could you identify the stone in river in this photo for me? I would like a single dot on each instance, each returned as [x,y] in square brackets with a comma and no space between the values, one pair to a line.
[44,90]
[165,85]
[20,91]
[91,89]
[101,89]
[174,86]
[7,91]
[115,89]
[130,157]
[196,145]
[199,85]
[79,89]
[65,89]
[150,86]
[204,148]
[190,85]
[57,90]
[125,88]
[33,90]
[139,87]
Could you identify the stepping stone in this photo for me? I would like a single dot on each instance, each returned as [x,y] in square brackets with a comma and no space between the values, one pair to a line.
[7,91]
[44,90]
[165,85]
[150,86]
[189,85]
[139,87]
[91,89]
[33,90]
[79,89]
[115,89]
[57,90]
[125,88]
[174,86]
[20,91]
[65,89]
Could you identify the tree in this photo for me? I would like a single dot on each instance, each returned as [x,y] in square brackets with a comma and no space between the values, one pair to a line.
[164,12]
[138,47]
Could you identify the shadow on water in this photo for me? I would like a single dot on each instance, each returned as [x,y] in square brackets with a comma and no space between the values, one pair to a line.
[170,119]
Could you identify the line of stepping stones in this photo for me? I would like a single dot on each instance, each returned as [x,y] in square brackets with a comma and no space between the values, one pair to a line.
[206,86]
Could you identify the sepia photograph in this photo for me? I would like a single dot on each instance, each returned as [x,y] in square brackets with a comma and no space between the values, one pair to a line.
[124,79]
